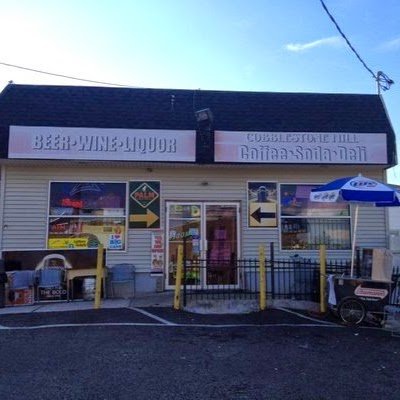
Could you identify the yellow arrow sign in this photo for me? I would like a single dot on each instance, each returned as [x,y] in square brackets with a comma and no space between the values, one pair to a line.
[149,218]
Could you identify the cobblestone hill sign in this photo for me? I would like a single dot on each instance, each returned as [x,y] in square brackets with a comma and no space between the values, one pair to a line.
[301,147]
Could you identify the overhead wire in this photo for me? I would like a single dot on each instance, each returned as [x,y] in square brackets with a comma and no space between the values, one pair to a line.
[64,76]
[383,81]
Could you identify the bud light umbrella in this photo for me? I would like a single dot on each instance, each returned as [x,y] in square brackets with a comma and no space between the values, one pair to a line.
[356,189]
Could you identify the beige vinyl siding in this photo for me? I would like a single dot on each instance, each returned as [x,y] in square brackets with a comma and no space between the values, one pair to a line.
[25,209]
[26,202]
[372,227]
[394,218]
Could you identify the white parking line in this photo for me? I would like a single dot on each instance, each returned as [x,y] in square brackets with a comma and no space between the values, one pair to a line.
[139,324]
[162,320]
[305,316]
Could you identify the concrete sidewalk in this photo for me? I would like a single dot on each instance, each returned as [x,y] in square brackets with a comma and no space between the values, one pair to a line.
[163,299]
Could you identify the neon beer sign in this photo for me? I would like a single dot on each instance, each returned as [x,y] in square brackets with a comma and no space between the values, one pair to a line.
[67,202]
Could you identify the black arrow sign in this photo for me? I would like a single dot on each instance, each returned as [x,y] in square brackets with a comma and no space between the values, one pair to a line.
[258,215]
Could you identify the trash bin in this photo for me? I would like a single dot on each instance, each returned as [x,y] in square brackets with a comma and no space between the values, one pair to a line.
[304,278]
[122,280]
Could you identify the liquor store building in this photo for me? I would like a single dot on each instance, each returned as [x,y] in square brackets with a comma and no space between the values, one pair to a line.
[143,170]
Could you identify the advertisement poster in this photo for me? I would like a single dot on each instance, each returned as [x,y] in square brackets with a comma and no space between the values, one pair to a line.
[157,252]
[68,243]
[19,297]
[115,242]
[144,205]
[262,204]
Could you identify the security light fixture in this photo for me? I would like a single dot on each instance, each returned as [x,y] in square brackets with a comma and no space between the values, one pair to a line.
[204,115]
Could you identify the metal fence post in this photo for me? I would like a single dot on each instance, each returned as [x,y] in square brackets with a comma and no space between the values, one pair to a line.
[184,272]
[3,280]
[322,277]
[178,280]
[358,261]
[272,260]
[263,288]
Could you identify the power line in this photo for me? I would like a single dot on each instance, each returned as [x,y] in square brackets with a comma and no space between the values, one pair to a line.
[383,81]
[63,76]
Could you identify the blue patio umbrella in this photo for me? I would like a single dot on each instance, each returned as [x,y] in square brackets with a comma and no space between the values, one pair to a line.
[357,190]
[394,203]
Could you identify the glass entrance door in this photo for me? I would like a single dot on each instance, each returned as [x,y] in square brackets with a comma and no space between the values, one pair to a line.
[184,227]
[221,231]
[209,233]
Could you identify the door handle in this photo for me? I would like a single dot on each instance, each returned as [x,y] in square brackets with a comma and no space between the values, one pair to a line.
[205,249]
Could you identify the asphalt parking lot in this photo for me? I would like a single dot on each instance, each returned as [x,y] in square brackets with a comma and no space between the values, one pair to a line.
[170,316]
[159,352]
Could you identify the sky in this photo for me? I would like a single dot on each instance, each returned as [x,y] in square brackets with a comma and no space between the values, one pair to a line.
[243,45]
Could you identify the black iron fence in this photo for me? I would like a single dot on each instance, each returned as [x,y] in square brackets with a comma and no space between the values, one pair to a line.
[395,298]
[220,280]
[295,278]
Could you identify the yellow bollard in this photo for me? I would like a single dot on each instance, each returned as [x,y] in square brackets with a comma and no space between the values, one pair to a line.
[263,284]
[99,276]
[322,278]
[178,279]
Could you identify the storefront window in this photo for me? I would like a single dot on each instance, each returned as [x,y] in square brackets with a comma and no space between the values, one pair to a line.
[83,215]
[184,229]
[306,225]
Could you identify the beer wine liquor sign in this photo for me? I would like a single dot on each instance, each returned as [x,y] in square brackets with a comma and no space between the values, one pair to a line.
[144,205]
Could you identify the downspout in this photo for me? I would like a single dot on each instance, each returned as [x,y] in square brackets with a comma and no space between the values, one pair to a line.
[2,201]
[394,163]
[3,276]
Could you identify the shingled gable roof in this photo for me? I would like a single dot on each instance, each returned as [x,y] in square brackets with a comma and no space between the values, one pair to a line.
[130,108]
